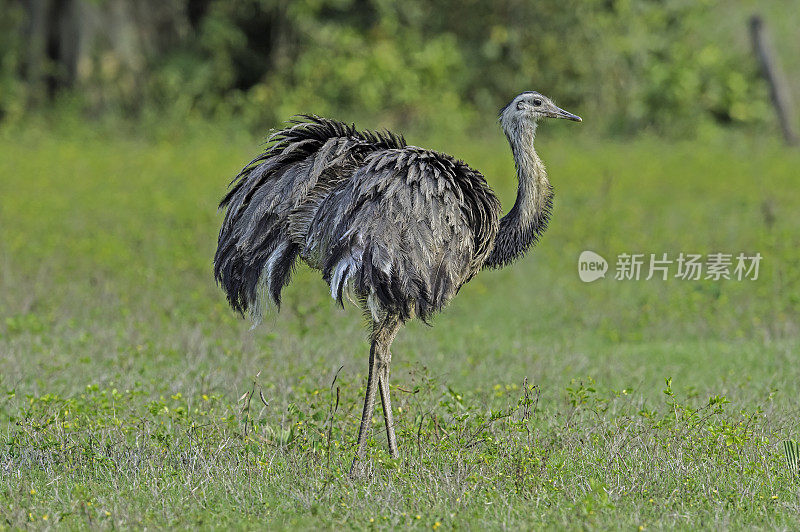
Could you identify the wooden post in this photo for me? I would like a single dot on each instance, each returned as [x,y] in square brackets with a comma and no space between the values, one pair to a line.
[774,76]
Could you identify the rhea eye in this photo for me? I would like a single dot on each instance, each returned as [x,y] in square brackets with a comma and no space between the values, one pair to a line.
[537,102]
[520,106]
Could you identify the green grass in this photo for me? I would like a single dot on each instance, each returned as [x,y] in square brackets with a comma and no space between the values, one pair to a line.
[130,395]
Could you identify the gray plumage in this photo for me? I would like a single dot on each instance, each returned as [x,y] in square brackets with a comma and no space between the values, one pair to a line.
[396,228]
[400,227]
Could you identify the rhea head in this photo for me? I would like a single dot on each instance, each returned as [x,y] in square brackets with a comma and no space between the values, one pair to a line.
[523,112]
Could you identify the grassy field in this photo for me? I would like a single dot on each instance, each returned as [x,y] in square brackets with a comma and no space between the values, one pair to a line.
[131,396]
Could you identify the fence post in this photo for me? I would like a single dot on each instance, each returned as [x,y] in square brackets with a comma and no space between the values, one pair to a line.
[774,76]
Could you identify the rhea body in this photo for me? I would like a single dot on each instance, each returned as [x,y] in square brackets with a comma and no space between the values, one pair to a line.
[395,228]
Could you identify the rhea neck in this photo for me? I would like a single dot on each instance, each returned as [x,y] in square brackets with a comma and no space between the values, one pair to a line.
[527,220]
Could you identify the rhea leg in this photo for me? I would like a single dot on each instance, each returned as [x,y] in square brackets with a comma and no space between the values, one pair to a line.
[383,334]
[388,418]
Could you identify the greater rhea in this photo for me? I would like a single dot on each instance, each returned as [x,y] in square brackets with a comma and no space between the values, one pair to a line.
[395,228]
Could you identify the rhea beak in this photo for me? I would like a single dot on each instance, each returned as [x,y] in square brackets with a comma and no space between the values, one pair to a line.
[560,113]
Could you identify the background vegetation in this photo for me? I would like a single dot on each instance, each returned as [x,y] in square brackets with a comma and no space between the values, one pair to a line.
[671,66]
[131,396]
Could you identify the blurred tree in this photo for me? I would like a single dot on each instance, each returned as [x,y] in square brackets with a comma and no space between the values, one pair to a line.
[80,43]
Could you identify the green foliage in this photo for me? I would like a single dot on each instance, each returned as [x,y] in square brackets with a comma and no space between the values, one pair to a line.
[390,67]
[636,64]
[628,65]
[672,75]
[12,90]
